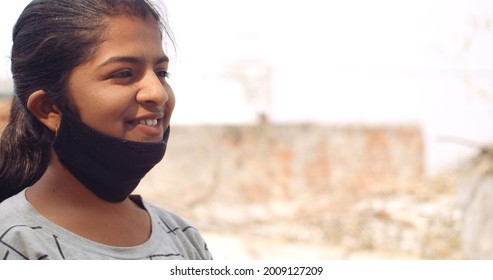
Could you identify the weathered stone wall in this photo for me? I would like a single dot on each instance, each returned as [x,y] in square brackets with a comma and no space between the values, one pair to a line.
[265,161]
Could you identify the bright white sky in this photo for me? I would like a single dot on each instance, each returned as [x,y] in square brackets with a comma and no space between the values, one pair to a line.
[428,62]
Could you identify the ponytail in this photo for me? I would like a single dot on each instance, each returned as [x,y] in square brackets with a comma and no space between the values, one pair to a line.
[24,155]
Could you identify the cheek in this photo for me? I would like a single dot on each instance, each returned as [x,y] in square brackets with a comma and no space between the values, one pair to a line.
[170,104]
[99,108]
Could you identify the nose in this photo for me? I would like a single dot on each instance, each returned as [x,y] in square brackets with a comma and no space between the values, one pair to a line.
[152,91]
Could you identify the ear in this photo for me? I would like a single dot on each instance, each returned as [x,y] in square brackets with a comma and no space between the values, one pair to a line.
[43,108]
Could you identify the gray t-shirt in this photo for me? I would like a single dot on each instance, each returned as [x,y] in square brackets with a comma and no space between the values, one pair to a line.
[26,234]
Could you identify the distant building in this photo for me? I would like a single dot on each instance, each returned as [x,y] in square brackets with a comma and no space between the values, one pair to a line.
[6,88]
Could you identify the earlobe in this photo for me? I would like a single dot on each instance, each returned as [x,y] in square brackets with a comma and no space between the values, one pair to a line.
[44,109]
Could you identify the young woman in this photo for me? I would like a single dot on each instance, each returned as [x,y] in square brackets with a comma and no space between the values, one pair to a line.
[90,117]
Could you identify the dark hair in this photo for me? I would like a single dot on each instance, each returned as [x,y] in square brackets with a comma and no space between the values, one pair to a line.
[50,39]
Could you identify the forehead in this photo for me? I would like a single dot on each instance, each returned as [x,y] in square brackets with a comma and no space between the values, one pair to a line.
[130,35]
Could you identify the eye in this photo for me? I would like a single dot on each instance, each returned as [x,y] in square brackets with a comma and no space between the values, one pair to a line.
[122,75]
[162,74]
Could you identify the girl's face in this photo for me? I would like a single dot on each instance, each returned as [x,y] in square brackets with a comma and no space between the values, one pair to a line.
[122,91]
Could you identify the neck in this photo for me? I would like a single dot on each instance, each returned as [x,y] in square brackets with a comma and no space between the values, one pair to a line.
[62,199]
[62,189]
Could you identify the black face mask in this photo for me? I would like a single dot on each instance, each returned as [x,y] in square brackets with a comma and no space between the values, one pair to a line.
[108,166]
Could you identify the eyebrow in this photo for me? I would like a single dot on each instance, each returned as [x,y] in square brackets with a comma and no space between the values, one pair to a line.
[130,59]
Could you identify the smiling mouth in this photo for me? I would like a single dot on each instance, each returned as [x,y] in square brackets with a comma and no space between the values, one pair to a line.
[149,122]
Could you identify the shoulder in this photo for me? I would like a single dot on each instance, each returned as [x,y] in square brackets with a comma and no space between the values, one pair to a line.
[13,210]
[20,236]
[170,218]
[182,230]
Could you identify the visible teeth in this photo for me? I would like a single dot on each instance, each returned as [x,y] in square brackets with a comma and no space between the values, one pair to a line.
[148,122]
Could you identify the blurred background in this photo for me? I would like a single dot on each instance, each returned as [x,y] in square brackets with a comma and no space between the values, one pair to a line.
[326,129]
